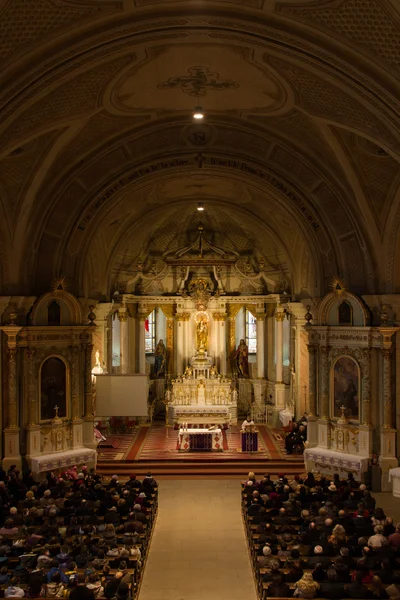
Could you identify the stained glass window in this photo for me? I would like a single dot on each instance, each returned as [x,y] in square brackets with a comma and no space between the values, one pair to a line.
[251,332]
[150,333]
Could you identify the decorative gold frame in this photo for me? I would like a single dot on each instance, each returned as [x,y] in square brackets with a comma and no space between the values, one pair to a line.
[67,388]
[332,389]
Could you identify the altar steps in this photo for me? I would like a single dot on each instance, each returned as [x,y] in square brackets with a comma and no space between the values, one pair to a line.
[198,467]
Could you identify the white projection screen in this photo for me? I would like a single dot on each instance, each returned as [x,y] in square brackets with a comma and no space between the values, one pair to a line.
[121,395]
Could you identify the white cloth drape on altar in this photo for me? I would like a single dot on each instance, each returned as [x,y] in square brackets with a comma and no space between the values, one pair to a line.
[185,434]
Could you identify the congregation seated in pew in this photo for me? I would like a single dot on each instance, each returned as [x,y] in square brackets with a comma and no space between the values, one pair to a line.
[312,537]
[76,535]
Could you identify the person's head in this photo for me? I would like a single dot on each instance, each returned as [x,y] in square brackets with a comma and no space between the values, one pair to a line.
[266,551]
[318,550]
[277,579]
[122,591]
[359,576]
[56,577]
[94,578]
[81,592]
[295,554]
[332,574]
[344,551]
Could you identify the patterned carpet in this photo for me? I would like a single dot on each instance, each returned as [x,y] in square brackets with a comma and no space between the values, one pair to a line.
[154,443]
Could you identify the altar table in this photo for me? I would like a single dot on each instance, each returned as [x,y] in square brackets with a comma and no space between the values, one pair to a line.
[200,439]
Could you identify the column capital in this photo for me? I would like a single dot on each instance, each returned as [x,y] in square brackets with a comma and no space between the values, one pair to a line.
[280,316]
[387,353]
[123,317]
[260,316]
[219,316]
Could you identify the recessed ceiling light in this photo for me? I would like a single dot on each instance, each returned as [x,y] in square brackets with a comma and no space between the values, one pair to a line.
[200,206]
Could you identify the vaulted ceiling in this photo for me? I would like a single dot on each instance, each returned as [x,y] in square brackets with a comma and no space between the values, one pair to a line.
[298,155]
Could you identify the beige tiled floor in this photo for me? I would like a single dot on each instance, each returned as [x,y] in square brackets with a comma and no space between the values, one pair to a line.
[198,550]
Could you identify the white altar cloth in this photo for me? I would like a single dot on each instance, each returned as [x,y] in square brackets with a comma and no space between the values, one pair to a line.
[184,438]
[60,460]
[394,477]
[330,462]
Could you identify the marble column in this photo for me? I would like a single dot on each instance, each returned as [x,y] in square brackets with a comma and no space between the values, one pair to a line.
[280,389]
[387,388]
[124,340]
[31,354]
[77,434]
[179,319]
[279,316]
[170,346]
[324,382]
[312,380]
[142,345]
[33,428]
[366,387]
[222,344]
[88,411]
[312,429]
[88,419]
[323,428]
[387,458]
[260,346]
[366,429]
[12,431]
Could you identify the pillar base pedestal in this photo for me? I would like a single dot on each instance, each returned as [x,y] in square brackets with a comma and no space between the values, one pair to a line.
[312,431]
[387,458]
[77,433]
[88,432]
[33,441]
[11,449]
[280,396]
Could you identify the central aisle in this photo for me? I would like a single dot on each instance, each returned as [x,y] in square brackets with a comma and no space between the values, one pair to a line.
[198,550]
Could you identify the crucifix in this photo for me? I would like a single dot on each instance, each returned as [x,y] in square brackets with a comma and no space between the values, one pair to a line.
[56,408]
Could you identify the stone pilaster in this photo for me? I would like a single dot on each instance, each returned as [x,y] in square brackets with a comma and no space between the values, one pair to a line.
[312,432]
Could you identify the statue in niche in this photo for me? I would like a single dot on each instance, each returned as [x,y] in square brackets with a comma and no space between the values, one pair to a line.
[345,387]
[242,359]
[202,336]
[160,359]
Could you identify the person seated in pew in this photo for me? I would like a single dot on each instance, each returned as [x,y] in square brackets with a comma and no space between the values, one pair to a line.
[274,569]
[295,572]
[306,587]
[13,590]
[55,588]
[93,583]
[332,588]
[318,557]
[278,588]
[266,558]
[357,589]
[377,588]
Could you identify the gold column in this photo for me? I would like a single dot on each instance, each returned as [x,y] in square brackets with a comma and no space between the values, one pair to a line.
[31,387]
[74,353]
[387,387]
[88,348]
[325,381]
[312,380]
[12,389]
[366,389]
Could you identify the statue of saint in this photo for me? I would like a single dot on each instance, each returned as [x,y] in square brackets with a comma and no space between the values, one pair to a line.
[202,336]
[160,359]
[242,359]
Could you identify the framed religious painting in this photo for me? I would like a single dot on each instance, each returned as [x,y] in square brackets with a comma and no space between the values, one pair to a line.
[53,388]
[345,380]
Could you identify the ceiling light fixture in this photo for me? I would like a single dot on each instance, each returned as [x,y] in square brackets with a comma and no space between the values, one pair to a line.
[198,113]
[200,206]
